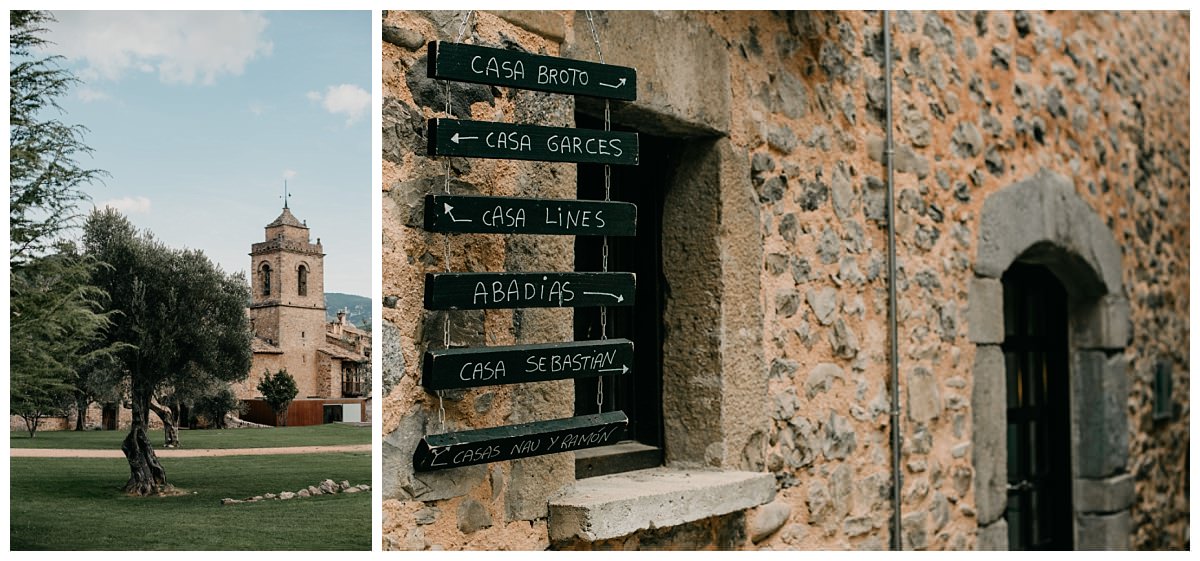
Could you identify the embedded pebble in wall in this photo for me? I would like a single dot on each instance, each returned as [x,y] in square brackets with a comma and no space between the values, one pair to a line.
[787,303]
[842,192]
[410,39]
[821,378]
[829,247]
[843,340]
[823,303]
[812,194]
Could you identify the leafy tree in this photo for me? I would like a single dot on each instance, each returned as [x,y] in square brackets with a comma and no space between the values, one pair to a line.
[183,319]
[55,321]
[278,390]
[46,182]
[214,406]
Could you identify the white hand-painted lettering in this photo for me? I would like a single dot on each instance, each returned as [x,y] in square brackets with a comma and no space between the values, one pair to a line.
[568,144]
[511,140]
[574,218]
[482,371]
[561,76]
[570,362]
[507,69]
[504,216]
[516,292]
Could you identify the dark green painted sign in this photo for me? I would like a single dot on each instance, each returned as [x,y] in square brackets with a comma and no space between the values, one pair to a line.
[488,366]
[515,69]
[476,291]
[467,448]
[485,139]
[514,215]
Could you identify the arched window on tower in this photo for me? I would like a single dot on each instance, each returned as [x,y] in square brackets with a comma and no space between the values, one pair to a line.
[302,280]
[264,274]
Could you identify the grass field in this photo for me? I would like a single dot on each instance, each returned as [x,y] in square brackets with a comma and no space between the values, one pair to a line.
[77,504]
[316,435]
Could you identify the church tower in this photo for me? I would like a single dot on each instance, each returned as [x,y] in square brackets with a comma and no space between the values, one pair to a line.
[287,307]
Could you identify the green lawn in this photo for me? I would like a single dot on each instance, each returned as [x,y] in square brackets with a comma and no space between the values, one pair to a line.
[316,435]
[77,504]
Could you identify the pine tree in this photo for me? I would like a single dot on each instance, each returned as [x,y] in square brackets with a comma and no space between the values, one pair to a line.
[54,312]
[46,181]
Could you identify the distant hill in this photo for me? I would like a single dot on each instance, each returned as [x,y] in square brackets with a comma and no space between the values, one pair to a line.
[359,307]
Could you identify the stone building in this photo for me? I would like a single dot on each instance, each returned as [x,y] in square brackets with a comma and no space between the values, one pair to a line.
[1041,168]
[330,360]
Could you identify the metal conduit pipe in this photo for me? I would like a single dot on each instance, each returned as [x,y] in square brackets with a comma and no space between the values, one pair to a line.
[894,378]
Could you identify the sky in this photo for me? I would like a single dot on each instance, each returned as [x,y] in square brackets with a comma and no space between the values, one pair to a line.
[200,117]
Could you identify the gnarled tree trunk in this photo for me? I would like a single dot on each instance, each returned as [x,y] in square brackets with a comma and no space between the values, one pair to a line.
[170,429]
[146,475]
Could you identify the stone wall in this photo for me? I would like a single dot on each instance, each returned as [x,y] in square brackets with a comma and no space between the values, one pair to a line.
[982,100]
[93,419]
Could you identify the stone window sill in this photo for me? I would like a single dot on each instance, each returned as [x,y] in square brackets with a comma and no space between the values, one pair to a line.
[610,506]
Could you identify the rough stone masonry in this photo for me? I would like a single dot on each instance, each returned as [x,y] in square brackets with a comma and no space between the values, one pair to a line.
[982,101]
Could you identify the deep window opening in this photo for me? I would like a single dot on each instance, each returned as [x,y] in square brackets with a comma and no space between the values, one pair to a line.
[302,281]
[1036,358]
[639,393]
[265,278]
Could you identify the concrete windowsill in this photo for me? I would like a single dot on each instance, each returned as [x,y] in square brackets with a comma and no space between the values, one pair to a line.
[610,506]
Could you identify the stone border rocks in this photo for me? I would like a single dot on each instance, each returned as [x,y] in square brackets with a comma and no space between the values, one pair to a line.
[326,487]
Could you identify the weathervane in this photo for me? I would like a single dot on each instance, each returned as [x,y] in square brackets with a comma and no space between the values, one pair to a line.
[285,194]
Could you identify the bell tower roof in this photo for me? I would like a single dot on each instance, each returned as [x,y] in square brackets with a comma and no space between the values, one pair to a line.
[286,218]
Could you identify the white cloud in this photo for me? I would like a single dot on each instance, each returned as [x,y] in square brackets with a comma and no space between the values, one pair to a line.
[128,205]
[88,95]
[289,173]
[182,47]
[346,99]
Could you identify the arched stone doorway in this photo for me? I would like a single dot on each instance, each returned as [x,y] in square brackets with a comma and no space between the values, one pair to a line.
[1042,221]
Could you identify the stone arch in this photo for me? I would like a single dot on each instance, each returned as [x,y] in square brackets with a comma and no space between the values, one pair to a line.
[1042,220]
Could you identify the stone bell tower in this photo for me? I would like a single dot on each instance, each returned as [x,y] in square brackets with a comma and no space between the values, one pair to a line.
[287,307]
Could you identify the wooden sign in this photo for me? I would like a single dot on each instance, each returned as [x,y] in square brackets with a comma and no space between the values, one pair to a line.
[485,139]
[475,291]
[513,215]
[500,67]
[489,366]
[458,449]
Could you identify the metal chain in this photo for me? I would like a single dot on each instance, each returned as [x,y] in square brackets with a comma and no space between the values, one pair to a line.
[607,197]
[595,37]
[441,413]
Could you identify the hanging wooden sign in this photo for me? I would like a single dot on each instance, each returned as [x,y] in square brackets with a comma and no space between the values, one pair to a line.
[514,215]
[458,449]
[488,366]
[500,67]
[485,139]
[475,291]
